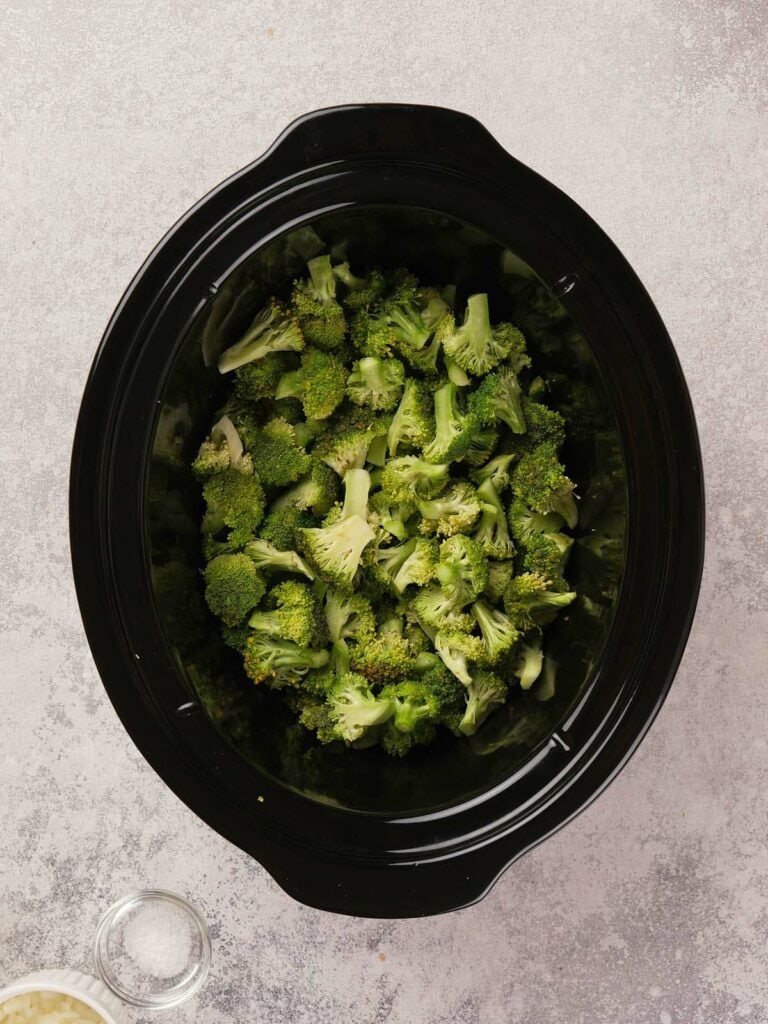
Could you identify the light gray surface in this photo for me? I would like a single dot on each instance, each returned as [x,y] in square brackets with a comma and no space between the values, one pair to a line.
[651,908]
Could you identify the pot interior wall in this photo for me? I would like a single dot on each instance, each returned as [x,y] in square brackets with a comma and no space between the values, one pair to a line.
[440,250]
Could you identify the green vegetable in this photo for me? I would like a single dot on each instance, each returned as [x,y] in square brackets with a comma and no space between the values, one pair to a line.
[420,603]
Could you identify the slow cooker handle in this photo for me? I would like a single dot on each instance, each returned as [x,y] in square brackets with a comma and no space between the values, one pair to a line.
[412,133]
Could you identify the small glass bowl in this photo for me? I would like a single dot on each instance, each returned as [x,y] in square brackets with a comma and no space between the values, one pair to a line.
[153,949]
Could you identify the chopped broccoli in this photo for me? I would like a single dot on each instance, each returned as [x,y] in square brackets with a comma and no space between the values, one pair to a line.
[353,708]
[475,345]
[233,587]
[319,384]
[462,567]
[499,576]
[279,662]
[529,602]
[485,692]
[281,459]
[314,300]
[336,550]
[273,329]
[419,566]
[345,445]
[492,533]
[280,525]
[317,491]
[415,715]
[384,659]
[412,423]
[457,649]
[233,500]
[482,446]
[259,379]
[441,608]
[271,559]
[498,398]
[539,480]
[529,663]
[496,470]
[454,430]
[376,383]
[409,478]
[292,614]
[498,632]
[359,292]
[349,617]
[456,511]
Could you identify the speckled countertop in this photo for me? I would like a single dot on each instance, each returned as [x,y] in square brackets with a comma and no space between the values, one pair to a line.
[652,907]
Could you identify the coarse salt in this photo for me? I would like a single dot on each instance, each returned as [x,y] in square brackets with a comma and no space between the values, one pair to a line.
[158,941]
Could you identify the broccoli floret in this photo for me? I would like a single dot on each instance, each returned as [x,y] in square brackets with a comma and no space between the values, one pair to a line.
[211,458]
[543,425]
[376,383]
[528,600]
[539,480]
[546,554]
[233,587]
[280,525]
[271,559]
[319,384]
[409,478]
[498,632]
[529,663]
[345,445]
[233,500]
[353,708]
[475,345]
[482,446]
[524,523]
[416,713]
[259,379]
[499,576]
[455,373]
[456,511]
[224,448]
[280,457]
[496,470]
[317,492]
[412,423]
[419,567]
[492,533]
[236,636]
[454,430]
[273,329]
[485,691]
[279,662]
[385,659]
[395,320]
[292,614]
[349,617]
[392,516]
[440,608]
[359,292]
[498,398]
[336,550]
[457,649]
[384,562]
[314,300]
[462,567]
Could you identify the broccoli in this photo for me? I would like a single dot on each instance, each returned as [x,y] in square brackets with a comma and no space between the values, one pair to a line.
[314,300]
[441,608]
[384,659]
[389,613]
[419,566]
[412,423]
[539,480]
[376,383]
[485,692]
[498,398]
[492,533]
[462,567]
[292,614]
[496,470]
[457,649]
[454,430]
[280,524]
[456,511]
[360,292]
[317,492]
[233,500]
[259,379]
[273,329]
[476,346]
[271,559]
[529,602]
[498,632]
[409,478]
[279,662]
[336,550]
[349,617]
[353,708]
[319,384]
[528,666]
[346,444]
[233,587]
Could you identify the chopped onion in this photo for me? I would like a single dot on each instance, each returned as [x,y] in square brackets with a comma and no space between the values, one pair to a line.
[47,1008]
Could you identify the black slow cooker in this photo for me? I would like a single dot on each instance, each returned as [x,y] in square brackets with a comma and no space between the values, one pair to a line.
[355,831]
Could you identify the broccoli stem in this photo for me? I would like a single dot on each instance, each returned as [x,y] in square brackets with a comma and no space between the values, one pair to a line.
[357,484]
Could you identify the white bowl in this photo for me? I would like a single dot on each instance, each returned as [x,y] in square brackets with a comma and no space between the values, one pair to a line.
[88,990]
